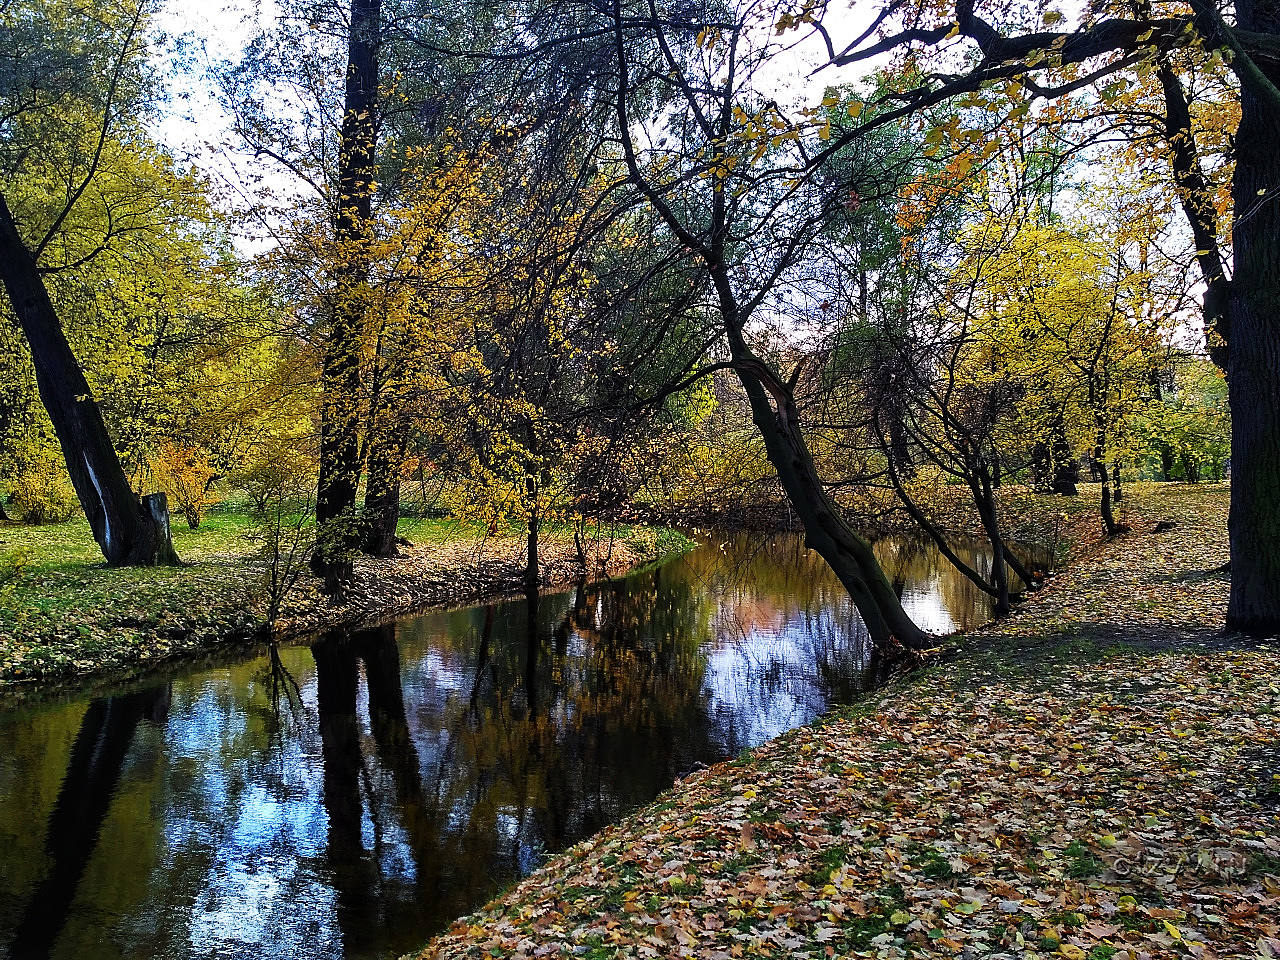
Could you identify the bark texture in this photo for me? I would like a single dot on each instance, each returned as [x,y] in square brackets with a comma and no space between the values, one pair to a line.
[340,462]
[129,532]
[1254,368]
[382,498]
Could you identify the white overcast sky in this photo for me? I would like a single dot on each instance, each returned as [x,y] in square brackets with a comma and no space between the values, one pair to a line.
[218,29]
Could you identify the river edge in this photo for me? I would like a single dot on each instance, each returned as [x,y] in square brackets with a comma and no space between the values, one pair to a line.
[229,618]
[1096,776]
[95,625]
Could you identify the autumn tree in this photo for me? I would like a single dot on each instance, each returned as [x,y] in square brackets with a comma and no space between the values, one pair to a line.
[74,83]
[1055,58]
[723,172]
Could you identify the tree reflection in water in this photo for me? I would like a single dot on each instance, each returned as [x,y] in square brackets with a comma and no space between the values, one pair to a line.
[71,833]
[417,766]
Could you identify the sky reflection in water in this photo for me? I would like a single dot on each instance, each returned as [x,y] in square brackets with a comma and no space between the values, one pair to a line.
[420,765]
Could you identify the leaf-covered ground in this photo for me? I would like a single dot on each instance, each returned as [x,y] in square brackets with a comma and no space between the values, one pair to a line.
[1097,777]
[63,613]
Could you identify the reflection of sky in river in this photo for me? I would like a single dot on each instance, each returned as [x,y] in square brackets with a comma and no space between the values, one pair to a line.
[924,605]
[424,765]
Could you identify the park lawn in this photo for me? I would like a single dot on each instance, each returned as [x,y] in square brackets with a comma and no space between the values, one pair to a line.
[1096,777]
[64,613]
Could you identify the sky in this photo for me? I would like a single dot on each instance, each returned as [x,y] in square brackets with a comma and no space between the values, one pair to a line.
[208,30]
[201,33]
[217,30]
[198,34]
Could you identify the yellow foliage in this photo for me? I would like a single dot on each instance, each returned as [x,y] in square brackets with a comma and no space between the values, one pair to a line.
[184,473]
[42,491]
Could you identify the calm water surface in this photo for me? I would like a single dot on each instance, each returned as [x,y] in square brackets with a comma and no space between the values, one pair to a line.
[350,798]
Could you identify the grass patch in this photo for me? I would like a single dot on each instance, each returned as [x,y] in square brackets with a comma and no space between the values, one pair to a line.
[64,612]
[829,863]
[932,864]
[1081,863]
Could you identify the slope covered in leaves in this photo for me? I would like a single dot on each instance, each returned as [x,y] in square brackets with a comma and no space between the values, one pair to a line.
[1038,794]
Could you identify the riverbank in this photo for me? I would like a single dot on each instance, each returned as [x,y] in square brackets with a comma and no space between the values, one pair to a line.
[1097,776]
[66,615]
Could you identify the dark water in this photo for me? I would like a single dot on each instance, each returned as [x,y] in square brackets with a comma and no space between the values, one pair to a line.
[352,797]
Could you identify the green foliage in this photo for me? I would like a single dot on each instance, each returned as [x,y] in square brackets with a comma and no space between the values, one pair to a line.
[1186,434]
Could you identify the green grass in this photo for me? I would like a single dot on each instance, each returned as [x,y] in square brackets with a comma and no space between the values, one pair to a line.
[62,571]
[63,611]
[829,863]
[932,864]
[70,545]
[1081,862]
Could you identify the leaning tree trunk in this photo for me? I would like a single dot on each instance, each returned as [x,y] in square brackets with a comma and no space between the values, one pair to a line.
[129,532]
[985,501]
[337,526]
[932,530]
[1254,348]
[826,533]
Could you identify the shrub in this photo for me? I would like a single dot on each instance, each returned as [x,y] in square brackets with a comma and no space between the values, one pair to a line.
[42,491]
[184,473]
[275,469]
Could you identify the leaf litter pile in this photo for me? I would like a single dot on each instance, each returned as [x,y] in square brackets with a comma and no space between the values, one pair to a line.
[1071,798]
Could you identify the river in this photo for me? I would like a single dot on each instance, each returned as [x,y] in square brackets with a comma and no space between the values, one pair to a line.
[350,797]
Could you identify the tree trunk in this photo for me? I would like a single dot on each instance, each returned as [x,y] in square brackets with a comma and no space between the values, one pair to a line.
[1254,366]
[1109,526]
[382,498]
[338,533]
[984,500]
[128,532]
[155,507]
[1020,570]
[531,578]
[934,532]
[1054,468]
[826,532]
[1196,199]
[1066,470]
